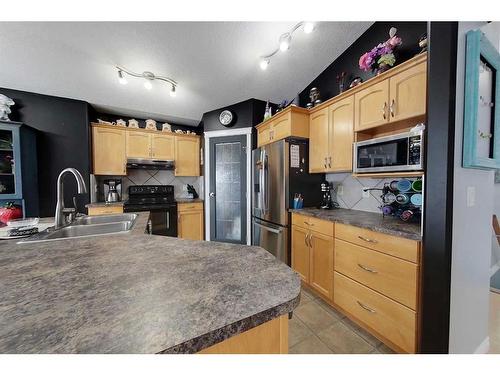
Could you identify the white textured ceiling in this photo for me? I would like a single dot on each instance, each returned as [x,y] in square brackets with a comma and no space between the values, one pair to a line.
[215,63]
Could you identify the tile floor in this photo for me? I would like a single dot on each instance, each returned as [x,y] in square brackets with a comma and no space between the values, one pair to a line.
[316,328]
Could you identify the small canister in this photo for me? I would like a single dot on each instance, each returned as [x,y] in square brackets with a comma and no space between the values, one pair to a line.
[416,199]
[406,215]
[402,198]
[387,210]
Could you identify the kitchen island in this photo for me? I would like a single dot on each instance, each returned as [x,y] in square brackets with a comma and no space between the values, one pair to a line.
[138,293]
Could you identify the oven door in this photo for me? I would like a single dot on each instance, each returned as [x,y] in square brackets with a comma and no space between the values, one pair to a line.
[164,222]
[381,155]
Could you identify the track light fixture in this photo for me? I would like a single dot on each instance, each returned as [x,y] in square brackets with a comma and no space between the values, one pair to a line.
[284,42]
[148,77]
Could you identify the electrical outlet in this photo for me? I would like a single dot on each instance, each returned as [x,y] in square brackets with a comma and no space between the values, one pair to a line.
[471,196]
[366,194]
[340,190]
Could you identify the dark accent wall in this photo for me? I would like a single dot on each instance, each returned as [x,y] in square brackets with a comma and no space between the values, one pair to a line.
[247,113]
[438,211]
[62,140]
[347,62]
[94,115]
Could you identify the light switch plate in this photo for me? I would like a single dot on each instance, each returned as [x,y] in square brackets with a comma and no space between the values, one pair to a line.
[340,190]
[366,194]
[471,196]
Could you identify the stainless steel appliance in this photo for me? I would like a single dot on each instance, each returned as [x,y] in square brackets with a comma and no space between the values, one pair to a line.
[326,202]
[159,200]
[112,190]
[280,170]
[394,153]
[150,164]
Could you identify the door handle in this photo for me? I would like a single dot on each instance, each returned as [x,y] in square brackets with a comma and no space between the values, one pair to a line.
[272,230]
[367,239]
[212,194]
[384,110]
[367,269]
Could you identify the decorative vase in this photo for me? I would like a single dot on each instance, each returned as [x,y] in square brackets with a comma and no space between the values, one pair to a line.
[381,69]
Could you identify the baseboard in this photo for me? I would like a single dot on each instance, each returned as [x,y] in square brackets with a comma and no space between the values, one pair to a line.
[484,347]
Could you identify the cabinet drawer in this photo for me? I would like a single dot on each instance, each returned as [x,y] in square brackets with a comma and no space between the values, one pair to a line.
[307,222]
[190,206]
[393,277]
[392,245]
[105,210]
[389,319]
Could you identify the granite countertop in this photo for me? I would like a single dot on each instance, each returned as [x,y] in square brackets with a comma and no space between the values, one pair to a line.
[188,200]
[104,204]
[368,220]
[136,293]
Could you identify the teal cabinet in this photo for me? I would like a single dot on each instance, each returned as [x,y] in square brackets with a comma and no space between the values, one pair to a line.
[18,166]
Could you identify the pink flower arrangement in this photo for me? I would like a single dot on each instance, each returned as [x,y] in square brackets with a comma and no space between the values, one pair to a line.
[382,55]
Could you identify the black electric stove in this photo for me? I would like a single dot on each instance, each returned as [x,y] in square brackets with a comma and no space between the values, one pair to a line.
[160,201]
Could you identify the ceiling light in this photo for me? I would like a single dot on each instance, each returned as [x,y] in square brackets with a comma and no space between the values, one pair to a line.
[308,27]
[148,77]
[264,63]
[285,40]
[173,94]
[121,78]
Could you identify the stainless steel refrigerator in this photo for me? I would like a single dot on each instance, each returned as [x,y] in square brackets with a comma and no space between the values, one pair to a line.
[280,170]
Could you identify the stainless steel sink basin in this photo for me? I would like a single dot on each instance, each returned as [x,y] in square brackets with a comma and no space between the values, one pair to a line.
[87,226]
[104,219]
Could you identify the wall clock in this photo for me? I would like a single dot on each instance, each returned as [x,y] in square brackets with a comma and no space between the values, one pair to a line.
[226,118]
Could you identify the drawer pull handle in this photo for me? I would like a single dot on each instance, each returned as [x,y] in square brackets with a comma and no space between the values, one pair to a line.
[371,270]
[366,308]
[367,239]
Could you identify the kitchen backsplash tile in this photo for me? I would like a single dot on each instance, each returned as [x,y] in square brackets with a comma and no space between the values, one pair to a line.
[152,177]
[352,187]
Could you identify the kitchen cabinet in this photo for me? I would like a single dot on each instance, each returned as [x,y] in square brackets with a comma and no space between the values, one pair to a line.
[109,151]
[190,221]
[408,93]
[105,210]
[312,253]
[318,141]
[291,122]
[187,156]
[144,145]
[331,137]
[371,106]
[371,277]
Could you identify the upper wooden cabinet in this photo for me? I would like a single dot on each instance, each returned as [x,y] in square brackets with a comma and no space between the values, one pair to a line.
[112,145]
[138,144]
[408,93]
[331,136]
[109,156]
[371,106]
[291,122]
[163,146]
[187,156]
[149,145]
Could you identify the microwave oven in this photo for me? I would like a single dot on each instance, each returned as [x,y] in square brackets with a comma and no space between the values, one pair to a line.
[393,153]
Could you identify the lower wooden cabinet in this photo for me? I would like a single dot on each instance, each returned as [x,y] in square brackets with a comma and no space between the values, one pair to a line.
[190,222]
[371,277]
[105,210]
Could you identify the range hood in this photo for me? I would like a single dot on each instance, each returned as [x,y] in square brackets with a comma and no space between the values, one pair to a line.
[150,164]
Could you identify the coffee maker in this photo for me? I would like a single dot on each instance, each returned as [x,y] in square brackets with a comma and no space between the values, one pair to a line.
[326,201]
[112,190]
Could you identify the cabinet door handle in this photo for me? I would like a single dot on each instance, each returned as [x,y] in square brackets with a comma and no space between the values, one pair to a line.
[325,162]
[384,110]
[366,307]
[391,108]
[367,239]
[329,162]
[305,239]
[367,269]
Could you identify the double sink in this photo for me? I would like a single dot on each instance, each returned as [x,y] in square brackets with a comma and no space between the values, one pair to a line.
[87,226]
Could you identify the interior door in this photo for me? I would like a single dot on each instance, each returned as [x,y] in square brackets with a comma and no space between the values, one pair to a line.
[228,189]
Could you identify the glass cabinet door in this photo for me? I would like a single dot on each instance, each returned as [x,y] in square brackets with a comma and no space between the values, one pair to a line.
[7,167]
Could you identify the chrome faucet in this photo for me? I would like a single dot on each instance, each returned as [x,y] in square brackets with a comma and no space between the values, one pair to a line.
[61,219]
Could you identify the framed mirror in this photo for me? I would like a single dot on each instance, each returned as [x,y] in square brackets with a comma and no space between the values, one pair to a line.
[481,146]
